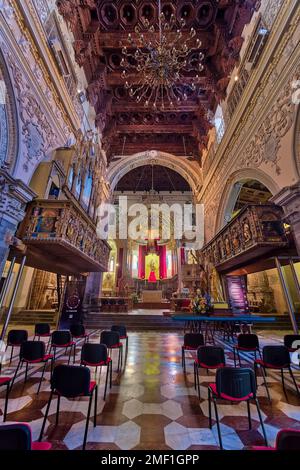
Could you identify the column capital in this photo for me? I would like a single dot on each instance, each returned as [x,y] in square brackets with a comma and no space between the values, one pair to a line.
[14,195]
[289,199]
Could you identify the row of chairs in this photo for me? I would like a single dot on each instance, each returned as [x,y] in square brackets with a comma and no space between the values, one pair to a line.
[17,436]
[237,384]
[92,355]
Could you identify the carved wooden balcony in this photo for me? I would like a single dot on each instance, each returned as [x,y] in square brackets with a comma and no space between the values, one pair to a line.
[257,231]
[60,237]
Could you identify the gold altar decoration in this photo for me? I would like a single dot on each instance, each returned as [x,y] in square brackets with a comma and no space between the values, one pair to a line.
[152,264]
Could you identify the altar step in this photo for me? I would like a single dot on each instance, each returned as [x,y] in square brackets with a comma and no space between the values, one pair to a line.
[165,305]
[139,322]
[31,317]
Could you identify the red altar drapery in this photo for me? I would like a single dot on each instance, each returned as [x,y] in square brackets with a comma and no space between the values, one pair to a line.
[163,261]
[141,262]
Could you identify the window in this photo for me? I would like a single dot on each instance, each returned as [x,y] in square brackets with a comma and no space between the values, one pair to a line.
[219,124]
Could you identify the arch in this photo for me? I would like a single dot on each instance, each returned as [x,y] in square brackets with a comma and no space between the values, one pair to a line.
[181,166]
[229,189]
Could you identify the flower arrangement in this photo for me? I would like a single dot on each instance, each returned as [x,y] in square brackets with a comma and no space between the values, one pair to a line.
[201,303]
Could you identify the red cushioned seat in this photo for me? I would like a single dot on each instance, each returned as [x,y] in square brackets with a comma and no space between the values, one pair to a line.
[205,366]
[92,385]
[41,446]
[191,348]
[4,380]
[240,348]
[47,357]
[117,345]
[102,363]
[213,388]
[71,343]
[270,366]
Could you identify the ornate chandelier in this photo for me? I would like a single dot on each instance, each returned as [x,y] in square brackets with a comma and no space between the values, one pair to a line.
[168,67]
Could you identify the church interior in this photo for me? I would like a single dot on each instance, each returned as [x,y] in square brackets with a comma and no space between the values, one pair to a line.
[149,225]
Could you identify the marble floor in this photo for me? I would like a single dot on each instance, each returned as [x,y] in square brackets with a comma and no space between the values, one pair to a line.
[152,404]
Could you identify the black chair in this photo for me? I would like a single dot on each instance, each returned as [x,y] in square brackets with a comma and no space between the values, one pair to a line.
[191,342]
[208,357]
[121,329]
[112,340]
[72,382]
[235,385]
[62,339]
[42,330]
[17,436]
[286,439]
[277,358]
[78,332]
[6,382]
[95,355]
[289,342]
[246,343]
[15,338]
[33,352]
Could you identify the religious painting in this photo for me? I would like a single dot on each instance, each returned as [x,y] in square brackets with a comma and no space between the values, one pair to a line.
[46,223]
[108,283]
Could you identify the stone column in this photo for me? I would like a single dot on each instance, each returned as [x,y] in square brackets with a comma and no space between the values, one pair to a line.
[289,199]
[14,195]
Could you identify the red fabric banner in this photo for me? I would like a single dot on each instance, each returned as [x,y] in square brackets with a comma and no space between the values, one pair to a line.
[141,262]
[163,261]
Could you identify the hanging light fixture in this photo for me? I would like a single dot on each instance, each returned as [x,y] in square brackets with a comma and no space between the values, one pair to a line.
[167,67]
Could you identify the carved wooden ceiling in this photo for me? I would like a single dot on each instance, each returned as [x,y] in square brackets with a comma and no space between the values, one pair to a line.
[101,27]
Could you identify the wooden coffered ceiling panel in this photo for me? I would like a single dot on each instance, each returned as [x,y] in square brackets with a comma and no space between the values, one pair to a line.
[100,29]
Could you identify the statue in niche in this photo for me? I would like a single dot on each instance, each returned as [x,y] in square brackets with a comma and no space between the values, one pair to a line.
[247,231]
[235,240]
[227,247]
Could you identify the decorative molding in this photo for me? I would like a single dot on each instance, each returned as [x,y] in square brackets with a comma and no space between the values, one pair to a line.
[14,195]
[152,157]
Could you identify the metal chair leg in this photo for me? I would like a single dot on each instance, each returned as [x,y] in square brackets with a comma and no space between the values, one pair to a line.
[209,408]
[282,381]
[261,421]
[239,358]
[11,354]
[6,402]
[183,359]
[57,410]
[249,414]
[46,416]
[15,375]
[106,380]
[41,379]
[87,422]
[110,378]
[265,383]
[218,424]
[295,383]
[234,356]
[198,381]
[95,405]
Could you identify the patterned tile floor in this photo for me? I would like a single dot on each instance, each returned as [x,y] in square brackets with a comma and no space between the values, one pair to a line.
[152,404]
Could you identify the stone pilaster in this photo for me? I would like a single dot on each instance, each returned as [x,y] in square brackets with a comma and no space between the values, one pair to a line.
[289,199]
[14,195]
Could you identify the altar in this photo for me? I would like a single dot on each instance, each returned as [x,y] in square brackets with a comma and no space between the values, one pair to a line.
[152,296]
